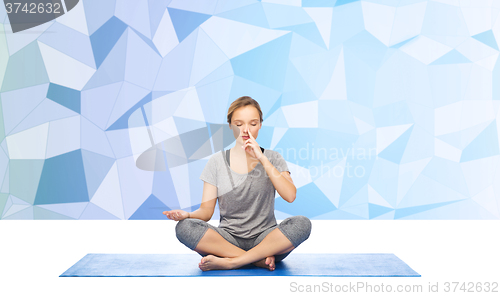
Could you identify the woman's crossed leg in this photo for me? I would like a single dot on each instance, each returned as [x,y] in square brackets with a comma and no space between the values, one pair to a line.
[222,253]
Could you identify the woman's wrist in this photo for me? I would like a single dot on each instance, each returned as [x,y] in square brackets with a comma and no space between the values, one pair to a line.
[189,215]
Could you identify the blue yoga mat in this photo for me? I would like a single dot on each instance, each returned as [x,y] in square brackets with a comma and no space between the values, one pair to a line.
[185,265]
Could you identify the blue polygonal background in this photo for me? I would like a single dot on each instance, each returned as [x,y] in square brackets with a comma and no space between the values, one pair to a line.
[383,109]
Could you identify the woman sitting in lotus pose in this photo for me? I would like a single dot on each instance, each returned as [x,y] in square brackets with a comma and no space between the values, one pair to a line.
[244,179]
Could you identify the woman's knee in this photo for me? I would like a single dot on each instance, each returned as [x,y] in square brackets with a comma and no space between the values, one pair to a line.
[188,231]
[183,226]
[296,228]
[304,224]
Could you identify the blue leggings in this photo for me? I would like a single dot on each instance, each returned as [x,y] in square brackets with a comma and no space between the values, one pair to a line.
[297,229]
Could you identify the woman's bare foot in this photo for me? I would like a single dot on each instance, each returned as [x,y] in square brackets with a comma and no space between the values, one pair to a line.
[211,262]
[267,262]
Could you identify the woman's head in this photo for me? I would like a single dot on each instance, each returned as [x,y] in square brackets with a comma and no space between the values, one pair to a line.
[244,114]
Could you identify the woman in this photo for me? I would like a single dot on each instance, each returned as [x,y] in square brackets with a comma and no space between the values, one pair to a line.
[244,179]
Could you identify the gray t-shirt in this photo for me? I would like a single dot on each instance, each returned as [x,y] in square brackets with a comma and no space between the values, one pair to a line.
[246,203]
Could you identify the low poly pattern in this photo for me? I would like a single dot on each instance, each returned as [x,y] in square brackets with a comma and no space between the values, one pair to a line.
[383,109]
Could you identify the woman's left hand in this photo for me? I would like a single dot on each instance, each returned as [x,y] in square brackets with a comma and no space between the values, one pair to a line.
[252,147]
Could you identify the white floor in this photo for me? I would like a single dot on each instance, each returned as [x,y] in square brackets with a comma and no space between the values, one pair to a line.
[34,253]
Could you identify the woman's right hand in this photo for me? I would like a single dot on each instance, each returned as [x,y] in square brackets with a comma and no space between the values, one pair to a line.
[176,215]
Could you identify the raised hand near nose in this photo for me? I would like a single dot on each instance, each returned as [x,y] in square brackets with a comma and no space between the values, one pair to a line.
[252,147]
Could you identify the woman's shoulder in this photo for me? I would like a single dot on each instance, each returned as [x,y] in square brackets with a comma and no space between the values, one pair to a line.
[215,158]
[272,154]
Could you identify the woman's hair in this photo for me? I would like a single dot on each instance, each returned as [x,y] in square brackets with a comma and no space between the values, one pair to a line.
[242,102]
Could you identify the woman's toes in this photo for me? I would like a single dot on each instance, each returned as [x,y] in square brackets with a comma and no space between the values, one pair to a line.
[270,262]
[204,260]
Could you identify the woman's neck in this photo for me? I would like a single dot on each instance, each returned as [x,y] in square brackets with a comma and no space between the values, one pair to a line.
[238,151]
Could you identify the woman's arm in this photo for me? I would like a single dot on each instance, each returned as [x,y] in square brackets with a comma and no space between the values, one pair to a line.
[208,201]
[281,181]
[282,184]
[206,209]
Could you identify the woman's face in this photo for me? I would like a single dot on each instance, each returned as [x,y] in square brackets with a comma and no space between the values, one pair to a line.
[245,119]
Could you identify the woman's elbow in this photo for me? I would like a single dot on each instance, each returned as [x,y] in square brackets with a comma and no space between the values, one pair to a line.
[206,214]
[291,198]
[208,217]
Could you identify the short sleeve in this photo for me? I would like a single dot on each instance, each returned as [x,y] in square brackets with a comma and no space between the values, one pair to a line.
[280,163]
[209,173]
